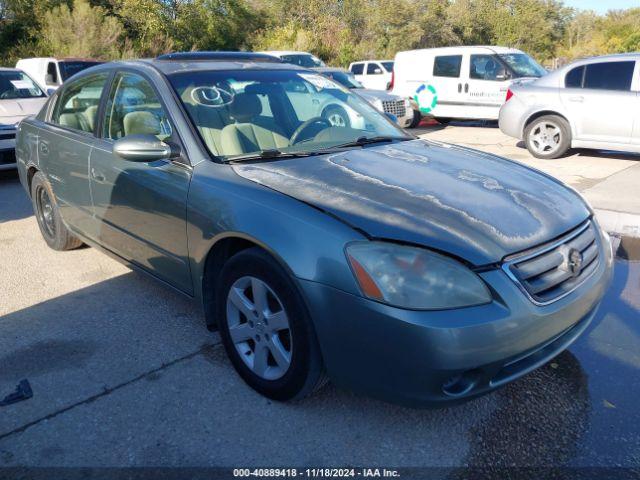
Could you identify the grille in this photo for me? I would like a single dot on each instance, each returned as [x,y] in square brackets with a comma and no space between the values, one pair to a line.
[553,271]
[394,107]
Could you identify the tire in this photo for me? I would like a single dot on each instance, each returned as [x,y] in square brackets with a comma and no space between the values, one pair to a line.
[417,118]
[47,213]
[337,116]
[548,137]
[443,120]
[254,333]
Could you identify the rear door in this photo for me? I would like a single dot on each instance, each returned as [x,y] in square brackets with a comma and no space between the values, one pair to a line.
[65,145]
[140,208]
[486,88]
[600,102]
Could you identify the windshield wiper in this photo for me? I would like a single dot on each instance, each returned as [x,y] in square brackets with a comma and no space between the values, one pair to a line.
[361,141]
[270,154]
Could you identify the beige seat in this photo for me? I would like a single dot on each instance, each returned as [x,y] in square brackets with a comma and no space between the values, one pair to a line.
[76,121]
[209,120]
[141,122]
[246,135]
[90,115]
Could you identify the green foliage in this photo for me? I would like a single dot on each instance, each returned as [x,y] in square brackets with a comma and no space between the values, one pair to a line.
[339,31]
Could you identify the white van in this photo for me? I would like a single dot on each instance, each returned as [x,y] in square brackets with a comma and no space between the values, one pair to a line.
[373,74]
[460,82]
[51,72]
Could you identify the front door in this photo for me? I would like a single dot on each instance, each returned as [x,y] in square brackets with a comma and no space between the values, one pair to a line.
[600,102]
[140,207]
[64,149]
[486,88]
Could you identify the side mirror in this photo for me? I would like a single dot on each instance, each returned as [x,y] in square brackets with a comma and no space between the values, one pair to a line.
[50,91]
[143,148]
[377,71]
[391,117]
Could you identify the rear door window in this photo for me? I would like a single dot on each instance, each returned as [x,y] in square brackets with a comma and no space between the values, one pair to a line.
[78,102]
[447,66]
[609,76]
[374,69]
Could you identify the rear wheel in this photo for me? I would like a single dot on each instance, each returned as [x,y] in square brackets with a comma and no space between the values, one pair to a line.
[548,137]
[45,207]
[265,328]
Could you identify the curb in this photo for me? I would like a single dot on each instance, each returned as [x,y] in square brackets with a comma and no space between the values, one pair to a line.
[619,223]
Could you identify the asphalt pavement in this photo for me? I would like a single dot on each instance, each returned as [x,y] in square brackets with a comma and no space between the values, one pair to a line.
[125,374]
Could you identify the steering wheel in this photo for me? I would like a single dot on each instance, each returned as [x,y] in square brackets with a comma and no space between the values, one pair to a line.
[306,125]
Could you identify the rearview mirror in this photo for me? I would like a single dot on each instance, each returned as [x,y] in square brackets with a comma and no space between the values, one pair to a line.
[142,148]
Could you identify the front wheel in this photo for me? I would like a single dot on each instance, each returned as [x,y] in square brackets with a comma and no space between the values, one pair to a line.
[265,328]
[548,137]
[47,212]
[417,118]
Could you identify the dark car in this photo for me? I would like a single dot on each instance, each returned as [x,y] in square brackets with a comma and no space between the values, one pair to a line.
[414,271]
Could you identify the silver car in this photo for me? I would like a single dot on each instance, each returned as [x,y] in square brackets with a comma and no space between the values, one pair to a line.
[385,102]
[591,103]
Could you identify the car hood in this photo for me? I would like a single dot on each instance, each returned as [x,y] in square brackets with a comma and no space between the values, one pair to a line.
[474,205]
[371,95]
[14,110]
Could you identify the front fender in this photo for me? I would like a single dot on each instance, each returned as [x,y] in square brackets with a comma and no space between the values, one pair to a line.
[306,241]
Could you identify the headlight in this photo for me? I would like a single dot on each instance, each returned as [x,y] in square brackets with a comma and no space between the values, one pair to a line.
[416,278]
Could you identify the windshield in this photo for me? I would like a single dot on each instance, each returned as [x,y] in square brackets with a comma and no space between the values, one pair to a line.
[523,65]
[244,112]
[15,85]
[388,66]
[67,69]
[304,60]
[346,79]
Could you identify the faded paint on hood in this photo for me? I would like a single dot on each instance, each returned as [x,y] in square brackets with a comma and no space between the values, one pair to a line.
[14,110]
[473,205]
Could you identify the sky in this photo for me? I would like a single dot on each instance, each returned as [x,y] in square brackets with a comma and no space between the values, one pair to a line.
[601,6]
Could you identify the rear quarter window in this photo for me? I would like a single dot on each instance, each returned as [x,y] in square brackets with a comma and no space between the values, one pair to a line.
[447,66]
[573,79]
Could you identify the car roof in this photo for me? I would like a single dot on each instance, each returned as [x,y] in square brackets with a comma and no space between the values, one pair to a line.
[9,69]
[286,52]
[460,49]
[169,67]
[220,55]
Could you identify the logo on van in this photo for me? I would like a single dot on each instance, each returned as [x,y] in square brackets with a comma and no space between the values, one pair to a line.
[426,98]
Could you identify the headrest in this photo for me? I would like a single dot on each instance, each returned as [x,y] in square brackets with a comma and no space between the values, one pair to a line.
[245,106]
[141,122]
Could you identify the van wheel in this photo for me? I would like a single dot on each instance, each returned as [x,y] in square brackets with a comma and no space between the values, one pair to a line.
[266,329]
[53,229]
[548,137]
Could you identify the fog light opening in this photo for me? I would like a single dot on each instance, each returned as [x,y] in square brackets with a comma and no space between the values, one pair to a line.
[461,383]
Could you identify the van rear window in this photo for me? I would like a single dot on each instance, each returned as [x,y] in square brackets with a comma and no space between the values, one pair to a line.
[447,66]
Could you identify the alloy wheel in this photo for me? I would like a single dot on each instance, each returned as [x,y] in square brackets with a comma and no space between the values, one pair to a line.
[259,327]
[545,138]
[45,212]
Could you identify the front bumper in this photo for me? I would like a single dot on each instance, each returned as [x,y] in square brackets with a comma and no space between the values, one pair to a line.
[7,149]
[431,358]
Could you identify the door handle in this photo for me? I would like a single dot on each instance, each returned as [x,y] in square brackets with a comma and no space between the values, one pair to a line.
[459,88]
[97,176]
[466,88]
[44,148]
[577,98]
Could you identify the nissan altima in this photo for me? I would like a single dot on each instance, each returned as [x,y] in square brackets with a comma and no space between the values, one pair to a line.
[412,271]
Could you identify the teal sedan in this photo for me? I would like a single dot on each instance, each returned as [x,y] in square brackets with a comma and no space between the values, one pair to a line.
[416,272]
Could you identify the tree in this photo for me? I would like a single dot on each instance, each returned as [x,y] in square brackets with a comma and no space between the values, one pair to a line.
[81,31]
